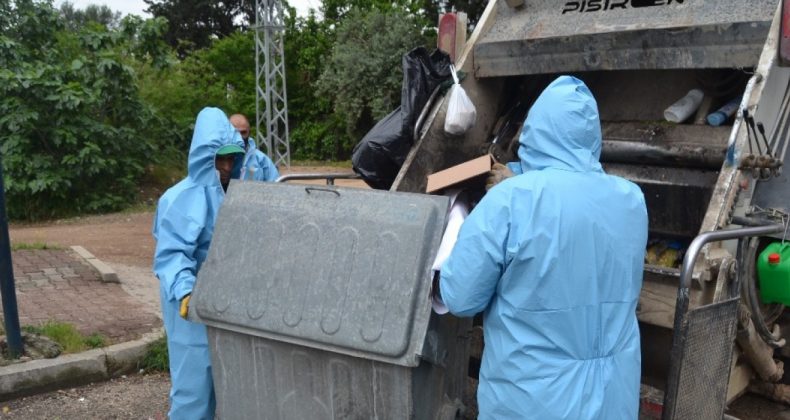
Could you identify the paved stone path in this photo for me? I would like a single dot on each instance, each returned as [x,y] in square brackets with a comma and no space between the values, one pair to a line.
[58,285]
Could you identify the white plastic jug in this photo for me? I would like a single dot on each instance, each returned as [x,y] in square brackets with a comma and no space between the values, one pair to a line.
[681,110]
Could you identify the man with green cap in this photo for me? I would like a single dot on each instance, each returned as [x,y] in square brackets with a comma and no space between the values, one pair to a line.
[183,228]
[227,156]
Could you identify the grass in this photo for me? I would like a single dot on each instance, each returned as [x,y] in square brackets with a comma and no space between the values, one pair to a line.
[139,208]
[155,358]
[34,245]
[95,341]
[336,164]
[165,175]
[67,336]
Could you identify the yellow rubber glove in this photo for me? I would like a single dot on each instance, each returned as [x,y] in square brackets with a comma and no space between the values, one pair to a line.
[497,174]
[184,310]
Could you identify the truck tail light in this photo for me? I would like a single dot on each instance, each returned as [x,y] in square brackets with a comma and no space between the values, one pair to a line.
[784,35]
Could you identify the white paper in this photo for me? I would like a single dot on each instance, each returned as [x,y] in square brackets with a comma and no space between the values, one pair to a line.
[459,209]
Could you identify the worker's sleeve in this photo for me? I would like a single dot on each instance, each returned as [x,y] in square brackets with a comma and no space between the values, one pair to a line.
[470,276]
[174,259]
[515,167]
[268,168]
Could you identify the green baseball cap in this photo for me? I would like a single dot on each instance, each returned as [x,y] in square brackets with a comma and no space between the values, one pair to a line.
[229,149]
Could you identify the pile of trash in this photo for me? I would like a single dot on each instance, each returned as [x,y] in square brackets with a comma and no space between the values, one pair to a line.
[381,153]
[665,253]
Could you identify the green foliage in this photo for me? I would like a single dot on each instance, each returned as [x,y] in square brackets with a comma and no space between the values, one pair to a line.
[194,23]
[473,9]
[19,246]
[335,10]
[359,83]
[92,14]
[96,111]
[166,174]
[75,131]
[67,336]
[143,41]
[232,60]
[156,357]
[364,73]
[221,76]
[313,129]
[95,341]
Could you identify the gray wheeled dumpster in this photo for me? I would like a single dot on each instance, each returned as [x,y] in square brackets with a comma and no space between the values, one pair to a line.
[317,306]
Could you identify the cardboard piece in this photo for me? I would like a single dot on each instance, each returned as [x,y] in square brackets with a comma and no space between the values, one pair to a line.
[468,173]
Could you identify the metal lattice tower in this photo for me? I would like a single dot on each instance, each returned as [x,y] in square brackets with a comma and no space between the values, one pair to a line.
[271,106]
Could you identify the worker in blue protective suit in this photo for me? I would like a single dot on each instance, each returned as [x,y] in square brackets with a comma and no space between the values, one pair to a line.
[183,227]
[554,258]
[257,166]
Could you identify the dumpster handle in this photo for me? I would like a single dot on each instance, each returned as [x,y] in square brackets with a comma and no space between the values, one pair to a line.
[329,177]
[682,303]
[308,189]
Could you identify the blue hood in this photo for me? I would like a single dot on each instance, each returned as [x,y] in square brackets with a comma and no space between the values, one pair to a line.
[562,130]
[212,131]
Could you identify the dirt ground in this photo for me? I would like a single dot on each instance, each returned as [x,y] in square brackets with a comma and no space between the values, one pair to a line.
[145,397]
[113,238]
[754,407]
[133,397]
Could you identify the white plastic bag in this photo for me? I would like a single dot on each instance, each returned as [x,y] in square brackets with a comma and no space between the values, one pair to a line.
[461,112]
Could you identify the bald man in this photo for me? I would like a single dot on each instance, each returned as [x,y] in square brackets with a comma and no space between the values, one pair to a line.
[257,166]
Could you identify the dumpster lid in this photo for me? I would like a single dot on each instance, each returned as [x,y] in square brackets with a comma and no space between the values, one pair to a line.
[339,269]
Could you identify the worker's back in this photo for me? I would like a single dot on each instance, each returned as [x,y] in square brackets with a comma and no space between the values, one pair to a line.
[555,256]
[569,292]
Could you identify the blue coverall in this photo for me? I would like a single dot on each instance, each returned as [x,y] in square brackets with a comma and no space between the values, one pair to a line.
[257,166]
[183,227]
[554,257]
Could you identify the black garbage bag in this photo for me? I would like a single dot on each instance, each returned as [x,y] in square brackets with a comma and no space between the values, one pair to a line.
[381,153]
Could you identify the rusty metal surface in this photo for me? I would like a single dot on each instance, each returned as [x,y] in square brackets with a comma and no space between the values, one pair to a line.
[699,146]
[540,38]
[726,192]
[684,155]
[676,197]
[437,150]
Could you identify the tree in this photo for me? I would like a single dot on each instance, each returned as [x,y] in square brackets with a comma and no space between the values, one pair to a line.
[73,126]
[364,74]
[428,10]
[77,18]
[336,10]
[222,75]
[316,132]
[473,9]
[193,24]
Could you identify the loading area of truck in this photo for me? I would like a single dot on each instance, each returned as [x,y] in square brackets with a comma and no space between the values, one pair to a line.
[638,58]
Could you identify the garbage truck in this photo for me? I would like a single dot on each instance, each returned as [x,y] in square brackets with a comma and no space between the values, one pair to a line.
[317,298]
[712,325]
